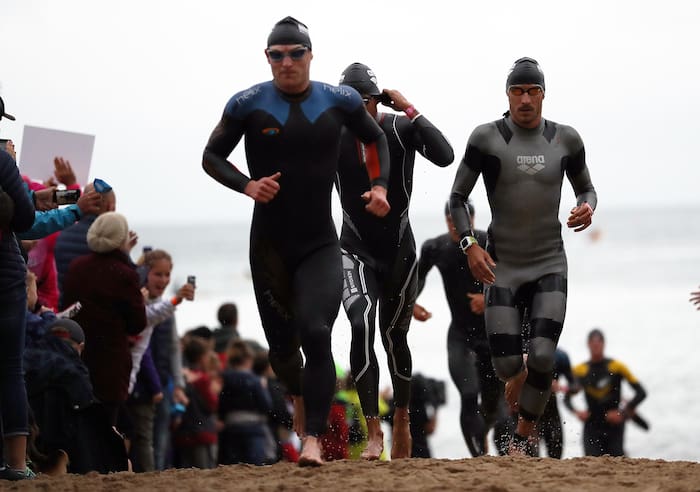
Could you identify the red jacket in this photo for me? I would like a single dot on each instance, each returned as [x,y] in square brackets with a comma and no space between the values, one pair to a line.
[107,286]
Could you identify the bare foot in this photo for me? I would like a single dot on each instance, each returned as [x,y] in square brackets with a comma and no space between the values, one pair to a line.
[401,436]
[375,440]
[518,446]
[299,417]
[310,452]
[513,387]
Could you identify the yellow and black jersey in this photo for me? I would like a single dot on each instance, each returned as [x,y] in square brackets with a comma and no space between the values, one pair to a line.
[602,383]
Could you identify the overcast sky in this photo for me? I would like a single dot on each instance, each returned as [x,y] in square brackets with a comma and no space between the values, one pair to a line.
[150,79]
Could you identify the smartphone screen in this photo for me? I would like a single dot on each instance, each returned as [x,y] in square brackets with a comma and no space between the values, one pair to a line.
[66,197]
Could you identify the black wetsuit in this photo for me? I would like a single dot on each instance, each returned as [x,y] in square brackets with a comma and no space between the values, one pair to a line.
[602,383]
[468,356]
[523,171]
[294,253]
[379,254]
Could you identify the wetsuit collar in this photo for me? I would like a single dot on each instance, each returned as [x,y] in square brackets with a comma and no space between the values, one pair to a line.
[519,129]
[294,97]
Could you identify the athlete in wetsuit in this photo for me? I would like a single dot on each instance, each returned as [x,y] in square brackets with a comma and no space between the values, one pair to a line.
[601,379]
[292,131]
[523,159]
[468,356]
[379,255]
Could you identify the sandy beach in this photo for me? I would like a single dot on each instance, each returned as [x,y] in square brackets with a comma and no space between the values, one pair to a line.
[493,474]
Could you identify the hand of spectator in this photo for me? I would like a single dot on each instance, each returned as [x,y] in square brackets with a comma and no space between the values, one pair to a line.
[377,203]
[90,203]
[43,199]
[476,303]
[420,313]
[63,171]
[583,415]
[157,398]
[144,293]
[480,264]
[132,240]
[179,396]
[581,217]
[264,189]
[50,181]
[185,292]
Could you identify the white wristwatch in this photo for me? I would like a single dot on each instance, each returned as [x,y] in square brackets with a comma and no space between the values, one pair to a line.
[466,242]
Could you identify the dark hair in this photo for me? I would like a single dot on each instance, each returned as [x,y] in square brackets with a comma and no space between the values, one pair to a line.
[203,332]
[238,353]
[194,350]
[261,362]
[228,314]
[595,332]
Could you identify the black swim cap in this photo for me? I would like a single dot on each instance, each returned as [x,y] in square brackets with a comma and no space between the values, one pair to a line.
[361,78]
[525,71]
[470,207]
[289,31]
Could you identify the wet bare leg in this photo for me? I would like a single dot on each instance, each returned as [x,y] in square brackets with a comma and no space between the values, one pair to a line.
[401,436]
[375,440]
[310,452]
[513,387]
[299,417]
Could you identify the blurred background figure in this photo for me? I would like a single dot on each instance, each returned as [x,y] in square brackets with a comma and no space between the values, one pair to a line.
[227,331]
[244,407]
[604,419]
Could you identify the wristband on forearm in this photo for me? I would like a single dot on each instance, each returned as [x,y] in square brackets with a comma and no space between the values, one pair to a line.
[411,112]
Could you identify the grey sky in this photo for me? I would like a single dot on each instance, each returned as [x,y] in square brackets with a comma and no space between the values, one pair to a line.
[150,80]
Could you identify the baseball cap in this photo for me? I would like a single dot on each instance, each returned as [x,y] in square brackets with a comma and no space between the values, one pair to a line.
[68,329]
[3,114]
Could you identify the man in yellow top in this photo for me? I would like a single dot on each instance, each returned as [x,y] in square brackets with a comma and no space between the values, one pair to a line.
[601,379]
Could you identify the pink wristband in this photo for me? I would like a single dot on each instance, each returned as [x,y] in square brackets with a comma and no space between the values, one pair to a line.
[410,112]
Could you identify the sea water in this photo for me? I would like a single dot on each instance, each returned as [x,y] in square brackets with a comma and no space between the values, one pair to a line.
[633,282]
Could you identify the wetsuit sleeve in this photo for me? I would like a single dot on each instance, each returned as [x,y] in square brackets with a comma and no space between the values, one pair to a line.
[431,143]
[639,393]
[467,174]
[578,373]
[361,123]
[577,170]
[223,140]
[425,263]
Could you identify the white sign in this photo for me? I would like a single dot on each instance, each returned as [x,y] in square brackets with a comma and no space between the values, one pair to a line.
[41,145]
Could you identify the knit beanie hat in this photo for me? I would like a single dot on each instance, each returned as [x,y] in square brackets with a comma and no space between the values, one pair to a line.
[109,232]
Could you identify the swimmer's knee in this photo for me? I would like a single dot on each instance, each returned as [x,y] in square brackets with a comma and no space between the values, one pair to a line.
[508,367]
[541,360]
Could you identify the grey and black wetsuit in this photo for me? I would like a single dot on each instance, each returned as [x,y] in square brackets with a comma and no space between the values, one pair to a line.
[523,171]
[294,252]
[468,356]
[379,254]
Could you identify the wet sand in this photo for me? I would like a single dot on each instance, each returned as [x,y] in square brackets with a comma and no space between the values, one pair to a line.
[494,474]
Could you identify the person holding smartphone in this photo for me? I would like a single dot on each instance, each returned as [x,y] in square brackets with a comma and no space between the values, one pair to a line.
[292,128]
[379,253]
